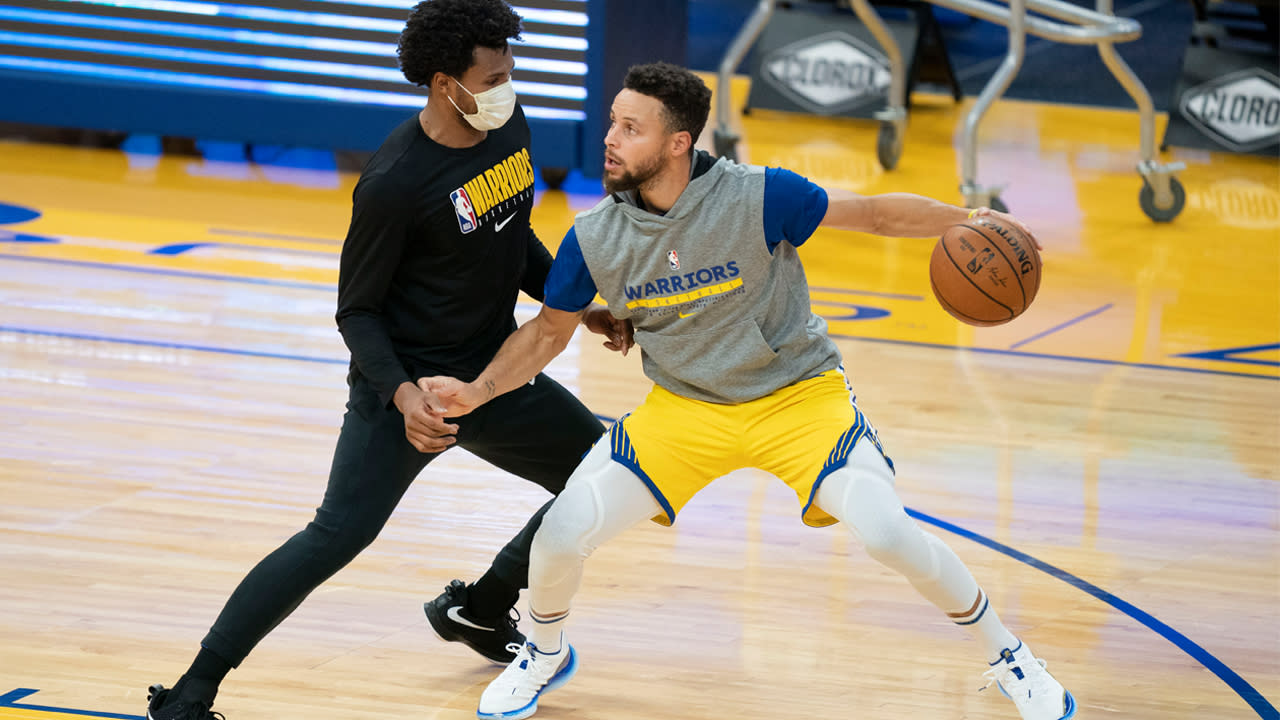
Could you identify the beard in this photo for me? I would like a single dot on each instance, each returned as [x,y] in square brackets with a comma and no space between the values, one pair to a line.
[634,179]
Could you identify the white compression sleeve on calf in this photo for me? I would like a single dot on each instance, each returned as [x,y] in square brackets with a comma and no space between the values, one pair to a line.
[861,495]
[600,500]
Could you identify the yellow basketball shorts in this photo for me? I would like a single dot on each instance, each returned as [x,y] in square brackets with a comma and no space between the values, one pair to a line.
[800,433]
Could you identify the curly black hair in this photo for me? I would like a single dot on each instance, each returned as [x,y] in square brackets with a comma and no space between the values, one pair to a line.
[685,99]
[442,36]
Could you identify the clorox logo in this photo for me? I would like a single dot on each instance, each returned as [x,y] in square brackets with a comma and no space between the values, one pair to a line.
[1238,202]
[828,73]
[1241,110]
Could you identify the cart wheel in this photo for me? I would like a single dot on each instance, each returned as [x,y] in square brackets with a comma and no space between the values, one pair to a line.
[1147,201]
[726,145]
[888,146]
[554,176]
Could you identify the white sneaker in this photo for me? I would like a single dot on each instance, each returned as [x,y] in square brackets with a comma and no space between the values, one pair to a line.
[514,694]
[1022,678]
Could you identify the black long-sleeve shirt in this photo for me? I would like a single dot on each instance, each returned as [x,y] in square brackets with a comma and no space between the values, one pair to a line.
[439,247]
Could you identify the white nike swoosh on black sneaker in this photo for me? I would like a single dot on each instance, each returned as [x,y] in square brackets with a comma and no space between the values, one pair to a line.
[503,223]
[455,615]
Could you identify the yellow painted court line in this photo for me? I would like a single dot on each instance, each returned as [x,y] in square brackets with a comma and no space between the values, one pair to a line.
[24,714]
[21,713]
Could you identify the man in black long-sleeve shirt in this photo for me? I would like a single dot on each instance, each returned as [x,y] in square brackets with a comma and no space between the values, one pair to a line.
[439,247]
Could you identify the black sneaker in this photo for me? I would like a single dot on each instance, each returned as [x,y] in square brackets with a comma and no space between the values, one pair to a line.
[497,640]
[159,709]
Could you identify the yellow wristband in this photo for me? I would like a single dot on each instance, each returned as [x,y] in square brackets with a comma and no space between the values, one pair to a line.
[973,212]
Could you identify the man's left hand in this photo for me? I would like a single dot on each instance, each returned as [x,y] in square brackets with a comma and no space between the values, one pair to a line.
[620,333]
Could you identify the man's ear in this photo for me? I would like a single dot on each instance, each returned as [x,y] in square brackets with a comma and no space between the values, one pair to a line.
[681,142]
[440,84]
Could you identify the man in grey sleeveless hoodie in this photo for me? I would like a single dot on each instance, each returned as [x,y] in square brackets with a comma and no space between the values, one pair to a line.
[701,256]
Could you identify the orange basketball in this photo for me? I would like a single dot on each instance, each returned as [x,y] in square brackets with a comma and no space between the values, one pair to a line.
[984,272]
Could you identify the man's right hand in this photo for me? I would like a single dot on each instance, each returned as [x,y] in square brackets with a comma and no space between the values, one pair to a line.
[424,423]
[457,397]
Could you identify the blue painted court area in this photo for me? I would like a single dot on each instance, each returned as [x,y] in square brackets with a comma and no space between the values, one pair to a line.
[11,700]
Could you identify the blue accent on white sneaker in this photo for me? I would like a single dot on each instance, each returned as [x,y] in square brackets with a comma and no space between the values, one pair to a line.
[519,679]
[1071,706]
[1069,702]
[1022,678]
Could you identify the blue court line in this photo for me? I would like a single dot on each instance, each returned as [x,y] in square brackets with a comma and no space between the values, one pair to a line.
[273,236]
[172,346]
[25,238]
[1247,692]
[1233,354]
[181,248]
[11,698]
[1060,326]
[199,348]
[1239,685]
[912,343]
[1047,356]
[171,273]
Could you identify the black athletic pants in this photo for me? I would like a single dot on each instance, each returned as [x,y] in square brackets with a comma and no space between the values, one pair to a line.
[539,432]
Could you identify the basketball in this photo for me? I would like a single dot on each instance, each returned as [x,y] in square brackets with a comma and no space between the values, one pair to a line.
[984,272]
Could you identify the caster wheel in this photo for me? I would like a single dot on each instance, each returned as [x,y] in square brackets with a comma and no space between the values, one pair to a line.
[554,176]
[1147,201]
[726,145]
[888,146]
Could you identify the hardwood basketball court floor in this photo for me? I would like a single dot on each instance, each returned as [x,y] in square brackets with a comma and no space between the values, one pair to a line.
[171,384]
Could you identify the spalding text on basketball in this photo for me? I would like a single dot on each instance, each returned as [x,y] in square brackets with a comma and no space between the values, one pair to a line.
[1020,253]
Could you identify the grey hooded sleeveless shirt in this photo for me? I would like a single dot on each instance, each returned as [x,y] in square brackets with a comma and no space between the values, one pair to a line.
[718,317]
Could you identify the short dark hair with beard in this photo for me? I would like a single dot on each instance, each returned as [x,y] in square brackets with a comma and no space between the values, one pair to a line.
[686,100]
[442,36]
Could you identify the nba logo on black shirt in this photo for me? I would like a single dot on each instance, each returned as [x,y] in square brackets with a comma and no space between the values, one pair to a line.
[462,205]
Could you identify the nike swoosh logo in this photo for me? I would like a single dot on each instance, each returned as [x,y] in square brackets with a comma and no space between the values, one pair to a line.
[685,315]
[456,616]
[503,223]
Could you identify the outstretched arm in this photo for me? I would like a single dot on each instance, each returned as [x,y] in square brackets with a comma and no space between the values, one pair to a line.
[902,215]
[568,299]
[521,357]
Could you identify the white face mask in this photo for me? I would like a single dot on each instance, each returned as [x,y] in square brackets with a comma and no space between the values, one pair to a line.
[493,106]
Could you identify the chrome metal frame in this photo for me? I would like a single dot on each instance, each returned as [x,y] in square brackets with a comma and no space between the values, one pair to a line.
[1081,26]
[1093,27]
[738,49]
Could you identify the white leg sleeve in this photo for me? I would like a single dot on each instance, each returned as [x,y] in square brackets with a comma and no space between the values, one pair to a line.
[600,500]
[862,496]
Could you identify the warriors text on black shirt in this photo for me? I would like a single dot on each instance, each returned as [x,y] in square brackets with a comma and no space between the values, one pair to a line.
[438,249]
